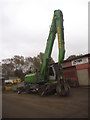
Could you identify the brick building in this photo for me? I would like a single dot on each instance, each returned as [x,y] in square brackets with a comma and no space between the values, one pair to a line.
[78,69]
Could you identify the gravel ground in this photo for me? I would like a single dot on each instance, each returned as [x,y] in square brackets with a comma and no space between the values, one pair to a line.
[33,106]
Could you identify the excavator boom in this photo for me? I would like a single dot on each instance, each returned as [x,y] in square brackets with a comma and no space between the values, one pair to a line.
[56,27]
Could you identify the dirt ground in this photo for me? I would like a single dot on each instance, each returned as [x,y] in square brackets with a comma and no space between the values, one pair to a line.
[53,106]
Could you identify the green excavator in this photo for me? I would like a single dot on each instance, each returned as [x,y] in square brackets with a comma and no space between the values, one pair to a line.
[48,80]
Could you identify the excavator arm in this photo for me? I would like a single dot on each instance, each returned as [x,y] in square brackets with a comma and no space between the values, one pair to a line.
[56,27]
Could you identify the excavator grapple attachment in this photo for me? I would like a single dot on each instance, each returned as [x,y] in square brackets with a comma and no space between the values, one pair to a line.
[62,88]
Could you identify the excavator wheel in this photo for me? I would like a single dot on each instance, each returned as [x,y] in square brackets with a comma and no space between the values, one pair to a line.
[63,90]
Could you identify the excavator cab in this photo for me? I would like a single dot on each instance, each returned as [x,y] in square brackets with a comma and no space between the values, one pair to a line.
[52,73]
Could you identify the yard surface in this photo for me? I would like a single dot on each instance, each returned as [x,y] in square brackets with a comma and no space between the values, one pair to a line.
[33,106]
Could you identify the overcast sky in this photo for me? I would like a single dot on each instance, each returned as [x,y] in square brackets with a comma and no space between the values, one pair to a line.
[25,24]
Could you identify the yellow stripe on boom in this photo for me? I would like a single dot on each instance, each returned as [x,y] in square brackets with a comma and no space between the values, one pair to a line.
[59,40]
